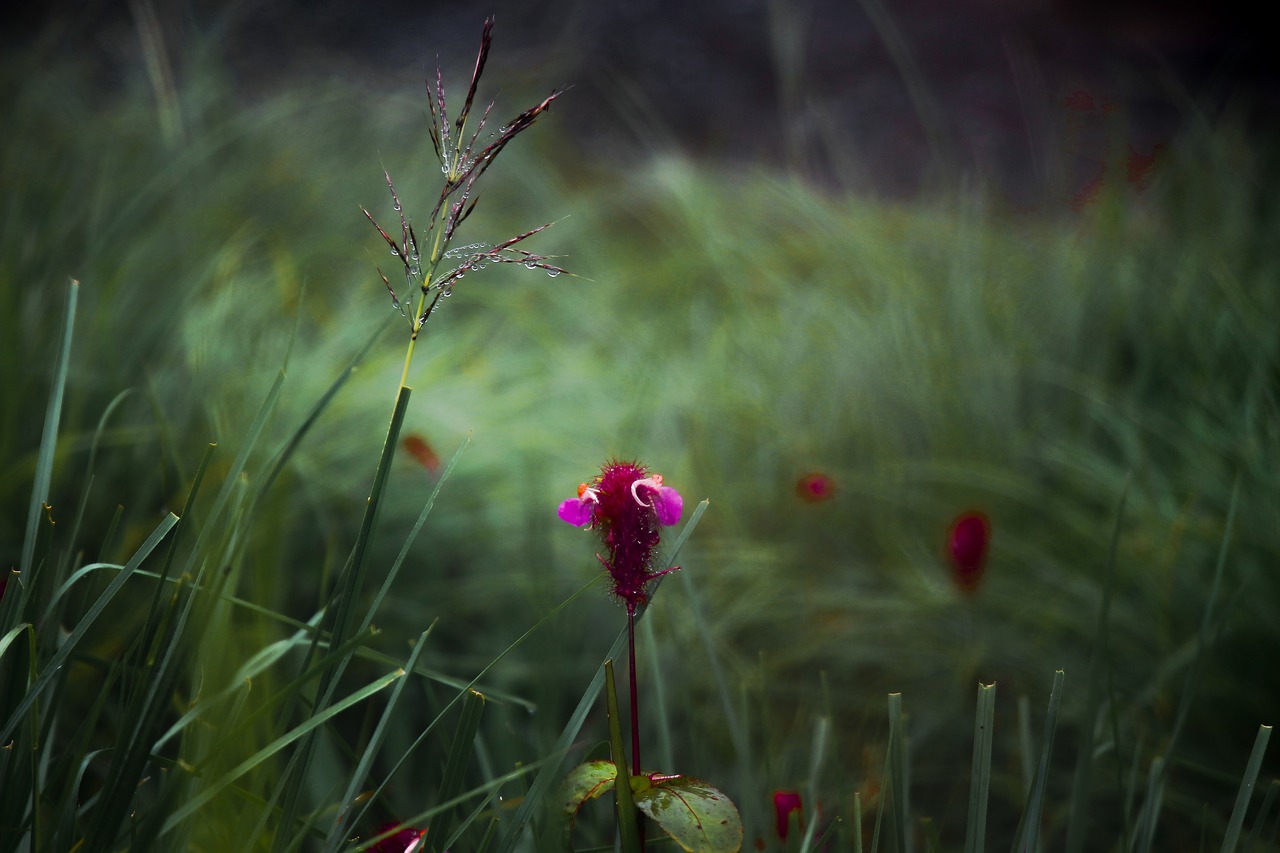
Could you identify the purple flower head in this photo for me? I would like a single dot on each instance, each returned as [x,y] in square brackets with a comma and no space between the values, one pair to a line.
[627,506]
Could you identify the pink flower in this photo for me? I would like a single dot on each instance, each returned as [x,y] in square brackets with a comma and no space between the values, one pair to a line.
[968,540]
[784,803]
[666,501]
[627,506]
[815,487]
[577,511]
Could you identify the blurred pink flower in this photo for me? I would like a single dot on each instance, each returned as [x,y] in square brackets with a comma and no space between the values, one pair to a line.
[968,541]
[784,803]
[815,487]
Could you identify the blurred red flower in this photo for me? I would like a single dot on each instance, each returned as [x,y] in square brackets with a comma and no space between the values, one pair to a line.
[815,487]
[968,540]
[418,447]
[784,803]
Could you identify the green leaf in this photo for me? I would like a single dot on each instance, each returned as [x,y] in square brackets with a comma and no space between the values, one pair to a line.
[586,782]
[699,817]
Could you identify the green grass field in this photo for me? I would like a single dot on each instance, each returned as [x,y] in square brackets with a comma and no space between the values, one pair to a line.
[185,663]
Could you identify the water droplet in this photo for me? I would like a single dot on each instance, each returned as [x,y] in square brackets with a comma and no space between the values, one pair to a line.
[396,207]
[530,265]
[553,273]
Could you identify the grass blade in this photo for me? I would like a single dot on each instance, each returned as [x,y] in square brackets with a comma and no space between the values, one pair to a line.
[1260,819]
[1247,782]
[49,438]
[628,830]
[344,602]
[54,665]
[342,815]
[1078,823]
[1028,836]
[1149,816]
[455,767]
[193,805]
[980,775]
[817,754]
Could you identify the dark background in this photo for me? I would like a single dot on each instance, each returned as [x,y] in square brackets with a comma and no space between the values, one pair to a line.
[810,81]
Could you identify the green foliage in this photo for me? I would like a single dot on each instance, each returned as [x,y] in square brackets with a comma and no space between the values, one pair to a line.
[696,815]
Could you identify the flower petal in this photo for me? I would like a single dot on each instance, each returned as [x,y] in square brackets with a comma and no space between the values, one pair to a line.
[576,511]
[668,504]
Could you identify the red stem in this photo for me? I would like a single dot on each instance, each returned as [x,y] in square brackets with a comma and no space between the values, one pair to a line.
[635,710]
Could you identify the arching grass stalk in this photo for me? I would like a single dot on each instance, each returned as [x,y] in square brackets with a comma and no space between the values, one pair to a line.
[433,266]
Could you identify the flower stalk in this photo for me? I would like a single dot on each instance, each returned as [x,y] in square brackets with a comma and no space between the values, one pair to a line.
[627,505]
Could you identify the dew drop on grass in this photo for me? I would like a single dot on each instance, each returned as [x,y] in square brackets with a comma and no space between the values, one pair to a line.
[553,273]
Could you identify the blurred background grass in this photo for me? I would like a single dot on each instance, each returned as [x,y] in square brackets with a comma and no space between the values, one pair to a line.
[960,339]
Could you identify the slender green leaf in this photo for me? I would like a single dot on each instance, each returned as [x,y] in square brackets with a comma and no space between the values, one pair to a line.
[1028,836]
[14,633]
[1150,814]
[1264,812]
[216,787]
[980,775]
[365,765]
[1078,824]
[345,598]
[628,828]
[817,756]
[54,665]
[49,438]
[1247,782]
[460,749]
